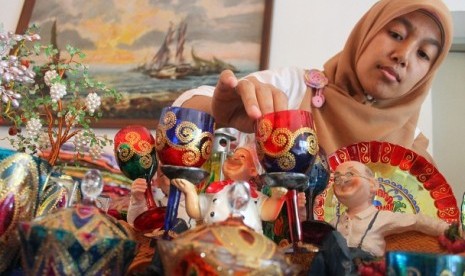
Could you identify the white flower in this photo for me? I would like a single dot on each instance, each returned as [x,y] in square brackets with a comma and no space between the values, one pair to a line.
[49,76]
[80,141]
[92,102]
[43,142]
[33,127]
[12,71]
[10,96]
[95,152]
[57,91]
[69,119]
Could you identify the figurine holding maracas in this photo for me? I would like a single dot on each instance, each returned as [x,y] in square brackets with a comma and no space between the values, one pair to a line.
[136,157]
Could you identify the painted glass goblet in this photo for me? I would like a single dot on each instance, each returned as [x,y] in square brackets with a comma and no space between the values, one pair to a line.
[184,141]
[136,156]
[314,231]
[287,146]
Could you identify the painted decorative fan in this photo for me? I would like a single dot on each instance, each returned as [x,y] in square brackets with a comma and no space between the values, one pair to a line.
[409,182]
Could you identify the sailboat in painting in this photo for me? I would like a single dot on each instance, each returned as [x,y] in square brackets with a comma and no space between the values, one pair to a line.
[161,65]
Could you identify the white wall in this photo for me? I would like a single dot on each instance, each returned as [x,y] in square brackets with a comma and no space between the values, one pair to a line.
[304,33]
[9,13]
[448,116]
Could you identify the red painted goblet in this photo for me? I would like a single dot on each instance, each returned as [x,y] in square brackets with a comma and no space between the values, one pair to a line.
[136,157]
[287,146]
[183,142]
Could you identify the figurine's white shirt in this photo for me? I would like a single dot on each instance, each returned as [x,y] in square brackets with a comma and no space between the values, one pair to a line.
[385,224]
[214,207]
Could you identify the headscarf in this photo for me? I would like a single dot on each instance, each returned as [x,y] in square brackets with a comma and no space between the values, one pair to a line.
[344,119]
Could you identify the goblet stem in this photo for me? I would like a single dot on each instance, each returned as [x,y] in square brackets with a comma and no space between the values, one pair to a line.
[149,196]
[293,218]
[191,174]
[310,199]
[172,209]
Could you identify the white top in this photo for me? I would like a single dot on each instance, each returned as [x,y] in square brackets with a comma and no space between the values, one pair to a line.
[385,224]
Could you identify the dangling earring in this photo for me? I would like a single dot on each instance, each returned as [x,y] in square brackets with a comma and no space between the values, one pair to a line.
[369,99]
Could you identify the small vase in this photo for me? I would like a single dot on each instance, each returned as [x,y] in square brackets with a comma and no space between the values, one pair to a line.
[19,189]
[58,191]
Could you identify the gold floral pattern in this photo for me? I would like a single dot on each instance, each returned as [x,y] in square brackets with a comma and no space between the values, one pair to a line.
[187,132]
[282,141]
[190,156]
[286,161]
[264,129]
[188,139]
[135,145]
[125,152]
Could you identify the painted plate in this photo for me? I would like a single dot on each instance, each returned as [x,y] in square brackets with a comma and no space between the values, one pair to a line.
[409,182]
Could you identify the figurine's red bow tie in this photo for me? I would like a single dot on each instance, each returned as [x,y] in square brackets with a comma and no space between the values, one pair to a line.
[217,186]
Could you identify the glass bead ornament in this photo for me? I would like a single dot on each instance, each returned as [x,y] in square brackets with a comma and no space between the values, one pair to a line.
[92,185]
[48,94]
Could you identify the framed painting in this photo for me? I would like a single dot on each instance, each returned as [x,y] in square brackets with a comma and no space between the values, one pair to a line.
[152,51]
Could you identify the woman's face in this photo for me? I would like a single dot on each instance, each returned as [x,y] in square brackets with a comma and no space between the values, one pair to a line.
[399,56]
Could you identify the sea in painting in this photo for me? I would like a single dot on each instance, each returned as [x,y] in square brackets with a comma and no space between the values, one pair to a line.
[144,96]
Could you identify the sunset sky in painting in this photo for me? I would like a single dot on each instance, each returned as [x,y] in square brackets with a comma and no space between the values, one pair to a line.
[130,32]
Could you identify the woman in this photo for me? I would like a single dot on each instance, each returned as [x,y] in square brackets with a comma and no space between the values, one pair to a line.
[375,85]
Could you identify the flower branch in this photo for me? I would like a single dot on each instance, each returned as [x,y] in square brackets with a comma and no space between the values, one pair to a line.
[34,85]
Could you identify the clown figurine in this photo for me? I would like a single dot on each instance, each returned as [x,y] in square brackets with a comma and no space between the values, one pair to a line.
[212,206]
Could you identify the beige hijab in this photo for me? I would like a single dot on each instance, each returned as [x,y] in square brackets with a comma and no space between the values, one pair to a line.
[344,119]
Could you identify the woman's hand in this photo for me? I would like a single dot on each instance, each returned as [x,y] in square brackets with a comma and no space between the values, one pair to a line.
[238,104]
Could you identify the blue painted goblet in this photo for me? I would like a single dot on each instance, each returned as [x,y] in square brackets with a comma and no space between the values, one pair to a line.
[183,143]
[314,231]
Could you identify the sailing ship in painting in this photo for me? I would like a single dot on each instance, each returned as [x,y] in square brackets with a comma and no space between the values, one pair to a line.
[163,66]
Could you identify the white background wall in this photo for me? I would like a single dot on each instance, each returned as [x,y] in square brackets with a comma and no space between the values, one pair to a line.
[306,33]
